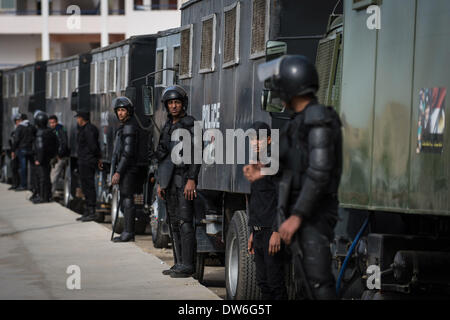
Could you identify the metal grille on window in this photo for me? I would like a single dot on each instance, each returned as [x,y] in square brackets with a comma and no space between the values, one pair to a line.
[5,86]
[93,84]
[258,26]
[207,45]
[29,82]
[324,61]
[73,80]
[12,85]
[176,58]
[64,84]
[159,66]
[48,86]
[55,83]
[112,75]
[20,84]
[123,75]
[101,77]
[229,51]
[185,52]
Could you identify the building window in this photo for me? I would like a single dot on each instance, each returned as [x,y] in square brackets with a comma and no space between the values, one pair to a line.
[73,82]
[123,72]
[186,52]
[145,5]
[48,86]
[231,35]
[7,5]
[160,64]
[260,28]
[64,84]
[93,77]
[29,82]
[208,44]
[55,85]
[112,75]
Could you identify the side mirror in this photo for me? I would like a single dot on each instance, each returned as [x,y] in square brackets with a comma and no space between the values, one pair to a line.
[147,98]
[275,49]
[74,101]
[130,93]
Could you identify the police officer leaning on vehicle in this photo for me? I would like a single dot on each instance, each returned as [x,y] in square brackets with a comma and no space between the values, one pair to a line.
[127,171]
[59,162]
[45,148]
[89,157]
[311,157]
[22,146]
[177,183]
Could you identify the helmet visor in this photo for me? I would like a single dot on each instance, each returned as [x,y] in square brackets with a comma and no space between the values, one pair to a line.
[269,69]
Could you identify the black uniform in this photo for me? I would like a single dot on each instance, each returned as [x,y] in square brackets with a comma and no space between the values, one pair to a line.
[262,222]
[45,147]
[88,151]
[22,146]
[173,178]
[311,148]
[14,165]
[127,164]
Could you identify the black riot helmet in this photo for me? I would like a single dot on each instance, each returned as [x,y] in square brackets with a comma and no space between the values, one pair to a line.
[290,76]
[41,120]
[175,93]
[17,117]
[123,102]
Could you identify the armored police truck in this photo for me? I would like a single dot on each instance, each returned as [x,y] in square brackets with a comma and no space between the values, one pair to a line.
[122,68]
[222,43]
[23,92]
[167,62]
[67,87]
[390,88]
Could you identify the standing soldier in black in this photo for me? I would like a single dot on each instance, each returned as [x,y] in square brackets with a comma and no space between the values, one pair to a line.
[45,148]
[23,145]
[14,159]
[127,172]
[89,157]
[177,183]
[311,165]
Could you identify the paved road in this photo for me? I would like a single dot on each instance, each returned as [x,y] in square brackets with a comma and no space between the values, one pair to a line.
[39,242]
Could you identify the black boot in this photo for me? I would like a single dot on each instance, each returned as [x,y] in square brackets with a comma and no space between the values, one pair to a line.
[91,215]
[187,252]
[129,212]
[168,272]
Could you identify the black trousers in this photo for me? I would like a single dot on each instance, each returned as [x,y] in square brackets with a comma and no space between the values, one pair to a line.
[87,178]
[43,180]
[181,214]
[15,172]
[269,269]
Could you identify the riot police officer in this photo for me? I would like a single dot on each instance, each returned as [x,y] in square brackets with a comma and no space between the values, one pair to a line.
[127,173]
[45,148]
[177,183]
[311,163]
[17,118]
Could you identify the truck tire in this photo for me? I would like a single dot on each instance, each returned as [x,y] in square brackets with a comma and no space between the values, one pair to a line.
[68,197]
[200,266]
[118,228]
[240,271]
[160,240]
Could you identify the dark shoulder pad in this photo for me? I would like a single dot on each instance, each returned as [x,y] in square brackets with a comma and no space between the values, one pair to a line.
[129,130]
[188,121]
[316,115]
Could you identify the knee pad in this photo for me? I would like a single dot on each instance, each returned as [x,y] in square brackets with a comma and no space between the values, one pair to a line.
[127,202]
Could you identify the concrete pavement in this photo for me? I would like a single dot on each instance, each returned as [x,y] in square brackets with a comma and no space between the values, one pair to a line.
[39,242]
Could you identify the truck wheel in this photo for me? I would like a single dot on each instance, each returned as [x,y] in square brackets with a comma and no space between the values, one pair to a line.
[240,271]
[67,188]
[119,226]
[160,240]
[140,226]
[200,266]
